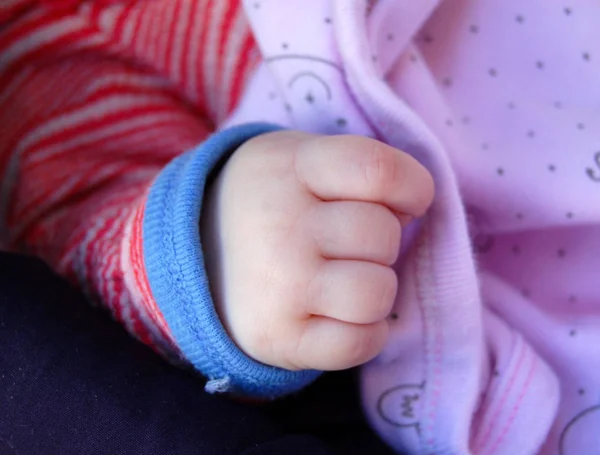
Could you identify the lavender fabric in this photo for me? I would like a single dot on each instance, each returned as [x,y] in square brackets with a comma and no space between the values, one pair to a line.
[495,345]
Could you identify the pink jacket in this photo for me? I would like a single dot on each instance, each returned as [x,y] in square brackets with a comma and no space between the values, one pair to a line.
[495,347]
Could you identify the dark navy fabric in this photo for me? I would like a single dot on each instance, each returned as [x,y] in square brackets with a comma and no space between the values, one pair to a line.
[73,382]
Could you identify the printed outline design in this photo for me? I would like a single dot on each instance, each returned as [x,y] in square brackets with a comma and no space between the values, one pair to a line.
[313,75]
[303,57]
[385,418]
[574,420]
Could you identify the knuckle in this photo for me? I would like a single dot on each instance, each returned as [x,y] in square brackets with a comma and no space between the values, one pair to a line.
[364,346]
[358,349]
[380,167]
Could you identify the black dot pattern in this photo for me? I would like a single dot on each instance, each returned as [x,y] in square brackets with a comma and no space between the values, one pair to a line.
[518,118]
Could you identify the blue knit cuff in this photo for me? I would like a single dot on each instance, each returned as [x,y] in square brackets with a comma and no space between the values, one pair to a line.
[178,279]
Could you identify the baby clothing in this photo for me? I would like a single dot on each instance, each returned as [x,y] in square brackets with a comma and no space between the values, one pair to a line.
[495,345]
[99,100]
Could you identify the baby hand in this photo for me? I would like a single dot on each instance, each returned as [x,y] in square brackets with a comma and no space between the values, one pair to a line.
[299,233]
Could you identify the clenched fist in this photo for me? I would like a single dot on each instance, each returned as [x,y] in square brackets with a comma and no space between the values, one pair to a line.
[299,233]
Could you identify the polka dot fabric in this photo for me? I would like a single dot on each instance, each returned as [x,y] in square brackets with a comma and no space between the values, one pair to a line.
[495,344]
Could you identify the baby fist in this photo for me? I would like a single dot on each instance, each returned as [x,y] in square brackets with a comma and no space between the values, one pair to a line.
[300,232]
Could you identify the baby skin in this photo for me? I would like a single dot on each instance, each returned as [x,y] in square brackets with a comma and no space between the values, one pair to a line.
[300,233]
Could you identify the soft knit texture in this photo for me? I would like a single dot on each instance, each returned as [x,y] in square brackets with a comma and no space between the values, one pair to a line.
[496,330]
[96,97]
[495,345]
[178,280]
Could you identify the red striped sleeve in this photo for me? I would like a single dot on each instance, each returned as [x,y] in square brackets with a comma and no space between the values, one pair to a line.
[96,97]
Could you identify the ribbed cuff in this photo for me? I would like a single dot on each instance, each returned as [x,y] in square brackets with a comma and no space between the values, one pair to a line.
[178,280]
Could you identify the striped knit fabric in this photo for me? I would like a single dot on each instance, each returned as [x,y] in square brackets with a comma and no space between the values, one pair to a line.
[96,97]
